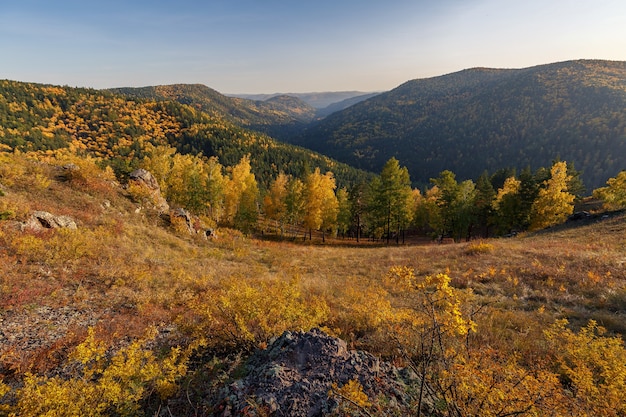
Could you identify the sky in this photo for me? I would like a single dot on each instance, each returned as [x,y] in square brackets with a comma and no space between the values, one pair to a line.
[269,46]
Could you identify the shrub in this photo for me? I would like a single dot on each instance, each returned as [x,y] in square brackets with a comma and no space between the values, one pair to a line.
[479,248]
[103,384]
[247,312]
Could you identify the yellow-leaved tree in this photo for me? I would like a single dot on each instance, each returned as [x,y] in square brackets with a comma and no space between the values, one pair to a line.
[321,204]
[554,203]
[275,201]
[614,194]
[241,192]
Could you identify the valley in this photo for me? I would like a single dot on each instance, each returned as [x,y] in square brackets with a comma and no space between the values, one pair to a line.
[463,254]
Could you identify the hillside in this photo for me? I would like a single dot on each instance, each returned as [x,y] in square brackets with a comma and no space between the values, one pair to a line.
[104,124]
[487,119]
[280,116]
[125,313]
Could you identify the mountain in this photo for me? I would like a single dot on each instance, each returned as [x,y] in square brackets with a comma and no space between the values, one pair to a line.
[343,104]
[487,119]
[117,127]
[317,100]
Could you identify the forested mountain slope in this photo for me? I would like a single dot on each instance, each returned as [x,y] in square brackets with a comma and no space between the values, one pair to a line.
[482,118]
[278,116]
[42,117]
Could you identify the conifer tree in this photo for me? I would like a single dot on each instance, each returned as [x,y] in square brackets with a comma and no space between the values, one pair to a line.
[485,195]
[392,202]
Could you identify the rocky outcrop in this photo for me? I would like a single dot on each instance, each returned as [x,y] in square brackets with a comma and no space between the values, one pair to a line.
[191,223]
[40,220]
[145,179]
[294,375]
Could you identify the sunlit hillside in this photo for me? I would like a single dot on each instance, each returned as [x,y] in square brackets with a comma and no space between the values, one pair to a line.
[128,313]
[102,124]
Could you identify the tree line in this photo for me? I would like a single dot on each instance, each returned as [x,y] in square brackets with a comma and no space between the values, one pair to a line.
[383,208]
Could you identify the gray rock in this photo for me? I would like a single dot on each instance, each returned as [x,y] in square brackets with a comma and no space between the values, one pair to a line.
[145,179]
[293,376]
[40,220]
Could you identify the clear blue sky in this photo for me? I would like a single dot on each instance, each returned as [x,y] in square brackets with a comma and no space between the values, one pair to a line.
[267,46]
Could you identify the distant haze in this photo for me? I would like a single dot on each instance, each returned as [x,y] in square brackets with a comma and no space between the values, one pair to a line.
[317,100]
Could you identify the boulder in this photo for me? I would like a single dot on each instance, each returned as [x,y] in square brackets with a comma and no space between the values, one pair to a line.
[144,178]
[184,216]
[40,220]
[294,375]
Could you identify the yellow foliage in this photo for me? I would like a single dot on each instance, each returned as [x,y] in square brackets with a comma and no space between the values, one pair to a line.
[248,311]
[351,392]
[614,194]
[103,386]
[434,297]
[554,203]
[487,384]
[594,365]
[479,248]
[4,390]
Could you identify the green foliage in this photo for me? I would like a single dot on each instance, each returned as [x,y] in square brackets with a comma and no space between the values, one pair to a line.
[391,199]
[36,117]
[483,118]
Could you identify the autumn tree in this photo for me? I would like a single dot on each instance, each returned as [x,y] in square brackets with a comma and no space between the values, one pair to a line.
[241,196]
[295,202]
[190,181]
[321,204]
[507,205]
[614,194]
[554,202]
[275,201]
[344,211]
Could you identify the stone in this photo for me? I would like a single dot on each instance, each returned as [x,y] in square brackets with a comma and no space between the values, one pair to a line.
[40,220]
[294,374]
[145,179]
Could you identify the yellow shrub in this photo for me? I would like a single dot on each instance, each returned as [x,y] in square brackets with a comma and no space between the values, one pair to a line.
[103,386]
[246,311]
[479,248]
[352,393]
[594,365]
[489,384]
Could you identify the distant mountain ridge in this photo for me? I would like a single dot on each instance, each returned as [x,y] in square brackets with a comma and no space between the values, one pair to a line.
[317,100]
[486,119]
